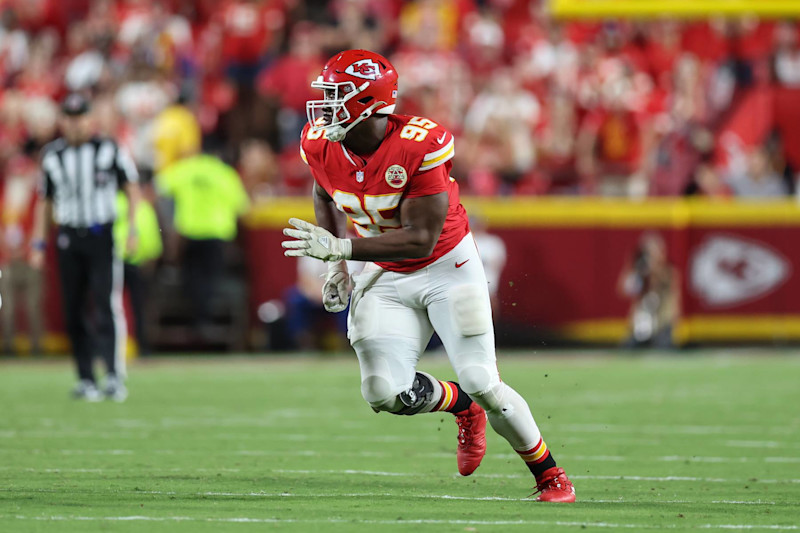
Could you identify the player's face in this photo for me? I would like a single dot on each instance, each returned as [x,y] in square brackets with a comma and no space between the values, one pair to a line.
[327,112]
[76,129]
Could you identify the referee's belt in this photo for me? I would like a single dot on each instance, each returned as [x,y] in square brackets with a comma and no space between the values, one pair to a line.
[85,231]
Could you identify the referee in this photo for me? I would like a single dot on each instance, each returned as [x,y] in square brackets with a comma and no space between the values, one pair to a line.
[81,175]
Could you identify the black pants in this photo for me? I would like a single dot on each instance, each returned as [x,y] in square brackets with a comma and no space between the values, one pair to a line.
[203,269]
[91,287]
[136,283]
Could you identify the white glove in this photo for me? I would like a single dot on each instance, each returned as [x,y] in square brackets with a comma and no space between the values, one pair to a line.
[336,290]
[313,241]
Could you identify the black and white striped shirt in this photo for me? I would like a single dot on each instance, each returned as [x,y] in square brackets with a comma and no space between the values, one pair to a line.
[82,181]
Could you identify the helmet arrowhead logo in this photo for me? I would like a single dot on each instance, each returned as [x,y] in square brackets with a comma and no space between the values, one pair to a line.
[364,68]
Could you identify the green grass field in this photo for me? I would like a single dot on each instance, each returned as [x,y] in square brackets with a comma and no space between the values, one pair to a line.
[698,441]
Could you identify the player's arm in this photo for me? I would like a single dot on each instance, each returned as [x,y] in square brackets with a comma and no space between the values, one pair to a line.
[336,289]
[128,181]
[42,215]
[134,194]
[422,218]
[328,217]
[43,212]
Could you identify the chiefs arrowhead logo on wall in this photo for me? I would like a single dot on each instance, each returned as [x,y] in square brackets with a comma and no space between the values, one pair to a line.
[727,270]
[364,68]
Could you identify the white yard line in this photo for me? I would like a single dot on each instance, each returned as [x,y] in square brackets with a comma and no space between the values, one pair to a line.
[406,474]
[739,502]
[279,495]
[109,470]
[704,459]
[37,451]
[445,497]
[429,455]
[403,474]
[683,478]
[517,476]
[661,429]
[754,443]
[560,523]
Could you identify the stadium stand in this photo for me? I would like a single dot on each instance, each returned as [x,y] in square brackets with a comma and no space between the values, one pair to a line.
[589,107]
[627,107]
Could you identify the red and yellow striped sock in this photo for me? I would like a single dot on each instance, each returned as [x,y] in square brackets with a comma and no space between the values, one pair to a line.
[453,400]
[538,458]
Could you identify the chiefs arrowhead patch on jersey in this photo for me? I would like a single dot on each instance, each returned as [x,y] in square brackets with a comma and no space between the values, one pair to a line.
[727,271]
[364,68]
[396,176]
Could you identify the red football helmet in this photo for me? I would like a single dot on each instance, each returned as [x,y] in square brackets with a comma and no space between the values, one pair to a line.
[357,83]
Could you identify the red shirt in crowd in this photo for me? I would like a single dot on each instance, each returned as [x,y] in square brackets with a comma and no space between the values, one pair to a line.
[290,80]
[249,28]
[17,203]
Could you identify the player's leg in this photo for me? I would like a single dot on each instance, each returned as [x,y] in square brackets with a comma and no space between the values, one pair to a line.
[136,283]
[460,312]
[74,275]
[106,285]
[388,336]
[389,329]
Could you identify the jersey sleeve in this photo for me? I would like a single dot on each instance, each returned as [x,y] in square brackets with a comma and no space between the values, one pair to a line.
[126,169]
[303,135]
[433,174]
[428,183]
[46,189]
[46,186]
[440,149]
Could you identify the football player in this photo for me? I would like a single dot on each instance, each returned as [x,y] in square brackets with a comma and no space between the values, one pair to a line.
[390,174]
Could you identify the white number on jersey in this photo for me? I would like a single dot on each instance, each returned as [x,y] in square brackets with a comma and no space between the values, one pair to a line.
[417,129]
[314,135]
[377,213]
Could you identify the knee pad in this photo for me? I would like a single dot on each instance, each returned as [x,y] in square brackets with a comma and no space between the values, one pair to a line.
[419,398]
[470,308]
[477,378]
[377,391]
[492,399]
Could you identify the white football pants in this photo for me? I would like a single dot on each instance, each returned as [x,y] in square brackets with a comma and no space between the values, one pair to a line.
[393,316]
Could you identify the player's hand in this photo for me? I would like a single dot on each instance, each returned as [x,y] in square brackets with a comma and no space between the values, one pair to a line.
[131,244]
[336,290]
[313,241]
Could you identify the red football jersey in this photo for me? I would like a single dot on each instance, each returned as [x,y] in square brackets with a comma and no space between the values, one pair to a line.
[413,160]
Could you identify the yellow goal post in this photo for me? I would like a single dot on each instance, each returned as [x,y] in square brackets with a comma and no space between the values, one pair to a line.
[673,8]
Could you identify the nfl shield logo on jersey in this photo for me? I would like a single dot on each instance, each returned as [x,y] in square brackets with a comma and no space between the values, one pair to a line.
[396,176]
[360,176]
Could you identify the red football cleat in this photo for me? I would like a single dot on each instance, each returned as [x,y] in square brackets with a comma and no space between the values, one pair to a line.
[554,486]
[471,438]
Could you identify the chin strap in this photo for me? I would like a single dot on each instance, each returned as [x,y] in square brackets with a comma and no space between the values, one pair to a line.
[338,133]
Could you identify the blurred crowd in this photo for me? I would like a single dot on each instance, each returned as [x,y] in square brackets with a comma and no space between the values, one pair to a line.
[539,106]
[629,108]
